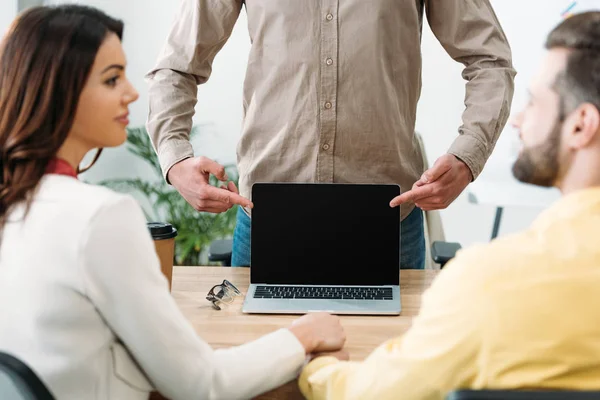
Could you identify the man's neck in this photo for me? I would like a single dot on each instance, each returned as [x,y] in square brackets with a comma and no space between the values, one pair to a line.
[583,174]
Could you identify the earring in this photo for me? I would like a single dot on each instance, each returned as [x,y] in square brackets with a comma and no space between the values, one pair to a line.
[82,170]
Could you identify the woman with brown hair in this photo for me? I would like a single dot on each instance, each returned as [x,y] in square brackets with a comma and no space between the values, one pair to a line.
[82,298]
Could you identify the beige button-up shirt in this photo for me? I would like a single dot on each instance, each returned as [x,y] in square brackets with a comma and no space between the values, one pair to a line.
[332,86]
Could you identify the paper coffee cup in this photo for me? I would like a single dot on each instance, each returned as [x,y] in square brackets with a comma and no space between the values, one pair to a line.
[163,235]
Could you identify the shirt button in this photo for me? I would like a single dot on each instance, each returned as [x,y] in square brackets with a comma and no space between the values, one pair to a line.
[328,105]
[329,61]
[329,17]
[325,147]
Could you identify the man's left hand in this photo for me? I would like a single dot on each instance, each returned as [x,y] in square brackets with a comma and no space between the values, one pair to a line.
[439,186]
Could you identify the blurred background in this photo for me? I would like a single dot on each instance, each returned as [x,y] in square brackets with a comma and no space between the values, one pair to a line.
[218,118]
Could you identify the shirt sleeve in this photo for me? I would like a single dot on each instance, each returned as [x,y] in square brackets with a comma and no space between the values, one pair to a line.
[201,29]
[124,282]
[437,354]
[471,34]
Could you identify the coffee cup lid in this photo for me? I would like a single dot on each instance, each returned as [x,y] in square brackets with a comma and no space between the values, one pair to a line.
[162,230]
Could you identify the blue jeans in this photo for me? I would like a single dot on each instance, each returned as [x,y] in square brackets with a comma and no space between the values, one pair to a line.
[412,241]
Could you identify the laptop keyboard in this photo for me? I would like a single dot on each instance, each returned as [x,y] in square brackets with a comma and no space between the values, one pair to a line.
[303,292]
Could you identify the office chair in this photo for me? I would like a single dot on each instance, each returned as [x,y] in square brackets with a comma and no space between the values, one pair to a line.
[437,250]
[19,382]
[522,395]
[220,251]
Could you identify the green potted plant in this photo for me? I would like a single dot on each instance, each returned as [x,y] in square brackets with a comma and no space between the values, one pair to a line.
[196,230]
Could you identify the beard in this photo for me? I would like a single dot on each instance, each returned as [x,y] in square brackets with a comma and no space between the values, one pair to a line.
[539,165]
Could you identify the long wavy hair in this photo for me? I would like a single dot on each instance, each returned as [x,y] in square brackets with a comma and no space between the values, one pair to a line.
[45,60]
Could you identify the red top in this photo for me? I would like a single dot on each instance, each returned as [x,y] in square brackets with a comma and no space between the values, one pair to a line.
[60,167]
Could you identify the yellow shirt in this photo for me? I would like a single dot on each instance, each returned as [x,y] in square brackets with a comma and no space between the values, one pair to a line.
[520,312]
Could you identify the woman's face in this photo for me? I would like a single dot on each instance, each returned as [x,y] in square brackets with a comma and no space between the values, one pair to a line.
[102,111]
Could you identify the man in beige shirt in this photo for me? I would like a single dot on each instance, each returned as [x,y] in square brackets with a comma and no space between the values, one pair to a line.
[330,95]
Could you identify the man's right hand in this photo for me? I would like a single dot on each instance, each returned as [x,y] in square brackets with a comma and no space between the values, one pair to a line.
[191,179]
[319,332]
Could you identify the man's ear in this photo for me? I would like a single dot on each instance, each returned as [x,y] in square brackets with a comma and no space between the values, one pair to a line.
[583,126]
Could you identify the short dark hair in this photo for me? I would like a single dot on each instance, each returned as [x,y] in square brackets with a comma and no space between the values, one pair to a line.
[580,81]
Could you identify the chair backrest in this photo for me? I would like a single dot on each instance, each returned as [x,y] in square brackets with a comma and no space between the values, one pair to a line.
[522,395]
[19,382]
[434,231]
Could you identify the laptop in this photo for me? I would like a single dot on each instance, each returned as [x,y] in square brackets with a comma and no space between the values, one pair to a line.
[324,247]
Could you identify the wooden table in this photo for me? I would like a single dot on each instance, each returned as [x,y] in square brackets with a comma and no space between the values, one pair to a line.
[230,327]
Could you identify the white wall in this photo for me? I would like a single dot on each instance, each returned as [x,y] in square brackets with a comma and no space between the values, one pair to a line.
[526,23]
[8,11]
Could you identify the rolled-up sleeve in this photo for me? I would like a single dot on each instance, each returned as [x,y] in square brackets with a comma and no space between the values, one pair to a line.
[200,30]
[471,34]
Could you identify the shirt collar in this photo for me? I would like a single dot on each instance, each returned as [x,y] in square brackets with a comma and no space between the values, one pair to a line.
[60,167]
[584,201]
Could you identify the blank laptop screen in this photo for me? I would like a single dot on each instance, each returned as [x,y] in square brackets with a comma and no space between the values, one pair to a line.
[325,234]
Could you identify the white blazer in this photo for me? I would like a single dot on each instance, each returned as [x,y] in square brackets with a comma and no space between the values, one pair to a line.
[84,304]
